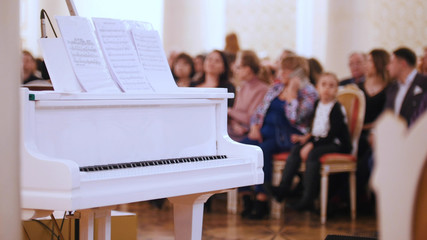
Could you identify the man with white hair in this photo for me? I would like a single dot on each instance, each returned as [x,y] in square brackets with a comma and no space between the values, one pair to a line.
[357,61]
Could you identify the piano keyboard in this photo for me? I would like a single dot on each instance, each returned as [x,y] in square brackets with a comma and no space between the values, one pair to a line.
[184,165]
[150,163]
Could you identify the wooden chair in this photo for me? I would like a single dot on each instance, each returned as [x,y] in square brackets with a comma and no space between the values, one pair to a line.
[399,178]
[353,101]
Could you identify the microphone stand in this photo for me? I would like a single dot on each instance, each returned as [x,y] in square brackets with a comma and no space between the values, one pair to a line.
[43,24]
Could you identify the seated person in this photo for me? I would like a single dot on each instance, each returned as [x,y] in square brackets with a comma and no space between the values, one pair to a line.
[29,68]
[404,96]
[216,74]
[198,65]
[357,67]
[285,109]
[183,70]
[249,96]
[420,111]
[374,88]
[329,134]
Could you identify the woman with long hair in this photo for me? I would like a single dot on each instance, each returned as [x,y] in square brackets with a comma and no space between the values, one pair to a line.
[216,74]
[374,87]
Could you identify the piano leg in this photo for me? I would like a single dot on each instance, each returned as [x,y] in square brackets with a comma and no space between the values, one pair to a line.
[87,223]
[188,215]
[103,218]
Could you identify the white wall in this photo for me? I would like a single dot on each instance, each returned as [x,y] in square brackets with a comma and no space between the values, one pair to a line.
[140,10]
[326,29]
[194,26]
[266,26]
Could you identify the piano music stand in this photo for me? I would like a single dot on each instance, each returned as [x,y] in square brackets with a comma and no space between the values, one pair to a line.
[71,8]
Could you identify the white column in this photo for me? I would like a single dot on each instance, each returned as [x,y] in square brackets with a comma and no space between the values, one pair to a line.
[304,22]
[347,31]
[10,62]
[213,30]
[312,28]
[30,25]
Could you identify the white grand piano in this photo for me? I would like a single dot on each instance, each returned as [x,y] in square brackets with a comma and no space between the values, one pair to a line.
[85,152]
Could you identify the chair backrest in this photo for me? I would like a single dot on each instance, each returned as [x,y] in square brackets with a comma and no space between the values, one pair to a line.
[353,100]
[400,178]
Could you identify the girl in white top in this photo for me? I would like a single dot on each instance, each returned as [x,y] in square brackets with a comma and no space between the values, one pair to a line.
[329,134]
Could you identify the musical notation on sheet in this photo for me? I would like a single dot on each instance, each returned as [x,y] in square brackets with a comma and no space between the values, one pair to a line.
[153,57]
[85,56]
[121,55]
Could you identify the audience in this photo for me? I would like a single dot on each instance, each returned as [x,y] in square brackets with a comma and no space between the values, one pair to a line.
[29,68]
[404,96]
[315,70]
[284,54]
[357,67]
[231,44]
[374,88]
[231,59]
[198,65]
[422,66]
[266,75]
[183,70]
[269,69]
[329,134]
[277,108]
[421,109]
[216,74]
[41,66]
[171,57]
[248,97]
[285,110]
[278,118]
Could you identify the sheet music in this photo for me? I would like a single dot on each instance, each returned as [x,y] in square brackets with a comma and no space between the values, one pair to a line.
[120,53]
[59,66]
[152,56]
[85,55]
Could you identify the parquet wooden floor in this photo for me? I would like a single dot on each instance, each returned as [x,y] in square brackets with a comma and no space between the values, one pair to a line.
[157,224]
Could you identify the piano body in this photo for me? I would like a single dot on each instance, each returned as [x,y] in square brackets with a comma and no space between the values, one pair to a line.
[86,151]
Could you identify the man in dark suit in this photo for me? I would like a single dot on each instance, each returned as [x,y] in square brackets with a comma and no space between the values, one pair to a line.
[405,94]
[357,62]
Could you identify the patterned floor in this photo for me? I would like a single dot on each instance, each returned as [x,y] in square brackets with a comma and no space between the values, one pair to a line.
[157,224]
